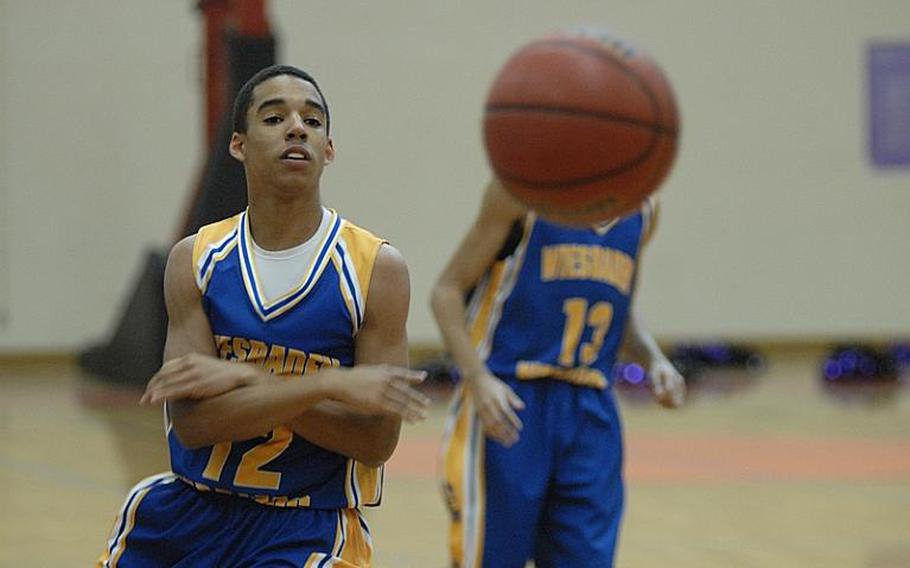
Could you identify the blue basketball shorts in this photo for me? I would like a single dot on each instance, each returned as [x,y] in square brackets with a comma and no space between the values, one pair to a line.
[166,522]
[555,497]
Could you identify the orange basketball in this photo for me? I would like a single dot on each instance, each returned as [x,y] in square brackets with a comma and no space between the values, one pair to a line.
[581,127]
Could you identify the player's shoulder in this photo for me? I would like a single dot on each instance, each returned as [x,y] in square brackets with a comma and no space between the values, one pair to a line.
[214,232]
[389,283]
[198,253]
[365,257]
[354,234]
[500,207]
[178,274]
[390,261]
[215,236]
[183,248]
[359,245]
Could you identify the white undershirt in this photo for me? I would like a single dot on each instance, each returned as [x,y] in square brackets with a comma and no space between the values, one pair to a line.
[280,271]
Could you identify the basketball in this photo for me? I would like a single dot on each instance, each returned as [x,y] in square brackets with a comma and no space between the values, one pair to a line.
[581,127]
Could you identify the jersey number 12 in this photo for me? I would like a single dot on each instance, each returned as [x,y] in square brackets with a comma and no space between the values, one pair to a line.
[249,472]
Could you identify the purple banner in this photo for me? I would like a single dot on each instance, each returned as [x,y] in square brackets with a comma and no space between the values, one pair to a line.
[889,103]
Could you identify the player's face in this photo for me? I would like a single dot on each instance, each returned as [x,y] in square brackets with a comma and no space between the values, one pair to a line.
[286,142]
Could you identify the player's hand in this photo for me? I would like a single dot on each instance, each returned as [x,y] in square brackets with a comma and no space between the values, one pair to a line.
[196,376]
[668,385]
[382,389]
[496,404]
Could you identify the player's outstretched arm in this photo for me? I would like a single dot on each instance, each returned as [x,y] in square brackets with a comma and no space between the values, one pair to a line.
[213,401]
[383,340]
[496,403]
[668,385]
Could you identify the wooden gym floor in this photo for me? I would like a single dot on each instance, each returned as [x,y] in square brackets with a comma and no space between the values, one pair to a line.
[757,471]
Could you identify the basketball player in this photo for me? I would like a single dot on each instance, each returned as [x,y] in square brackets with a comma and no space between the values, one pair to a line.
[533,446]
[269,468]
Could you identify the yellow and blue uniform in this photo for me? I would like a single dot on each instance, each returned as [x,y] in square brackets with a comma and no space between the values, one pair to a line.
[275,499]
[548,318]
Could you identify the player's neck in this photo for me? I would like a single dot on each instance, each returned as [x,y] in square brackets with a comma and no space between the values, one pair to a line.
[279,224]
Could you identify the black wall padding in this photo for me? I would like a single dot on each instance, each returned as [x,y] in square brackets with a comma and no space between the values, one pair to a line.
[134,351]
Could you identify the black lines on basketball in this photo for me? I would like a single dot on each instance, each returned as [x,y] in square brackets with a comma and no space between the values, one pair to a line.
[605,53]
[578,129]
[596,115]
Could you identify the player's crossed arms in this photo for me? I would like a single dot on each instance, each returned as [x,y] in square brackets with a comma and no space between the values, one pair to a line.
[380,389]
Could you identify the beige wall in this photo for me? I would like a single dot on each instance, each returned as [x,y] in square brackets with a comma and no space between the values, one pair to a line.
[774,223]
[4,208]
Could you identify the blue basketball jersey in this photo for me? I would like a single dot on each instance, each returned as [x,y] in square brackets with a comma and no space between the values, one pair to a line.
[556,307]
[548,319]
[311,327]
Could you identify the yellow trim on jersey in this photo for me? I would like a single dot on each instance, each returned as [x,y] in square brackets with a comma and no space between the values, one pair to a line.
[212,244]
[347,294]
[314,559]
[487,291]
[353,547]
[266,303]
[282,501]
[362,484]
[483,316]
[340,534]
[348,485]
[266,309]
[369,482]
[360,247]
[358,546]
[479,469]
[465,485]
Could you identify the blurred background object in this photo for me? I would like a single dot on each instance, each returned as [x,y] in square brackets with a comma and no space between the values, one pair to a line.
[859,364]
[866,374]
